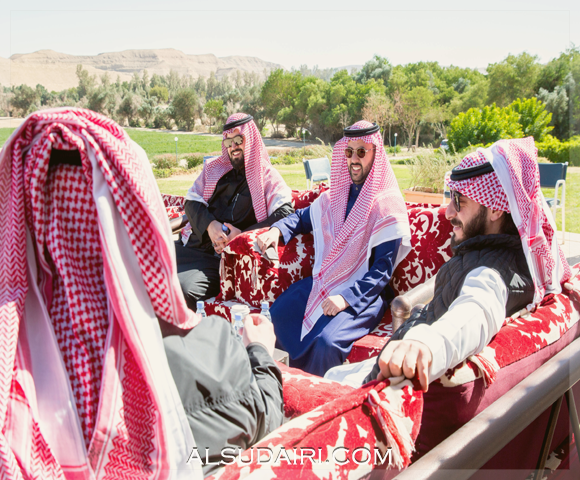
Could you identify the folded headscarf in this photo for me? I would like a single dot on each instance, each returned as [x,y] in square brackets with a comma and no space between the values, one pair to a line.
[514,187]
[267,187]
[343,246]
[87,266]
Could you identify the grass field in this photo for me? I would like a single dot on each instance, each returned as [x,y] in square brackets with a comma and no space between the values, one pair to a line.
[294,177]
[155,143]
[4,134]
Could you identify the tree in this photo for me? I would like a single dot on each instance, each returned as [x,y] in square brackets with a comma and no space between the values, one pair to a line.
[24,98]
[183,108]
[557,104]
[129,107]
[411,108]
[473,96]
[214,110]
[379,108]
[160,92]
[515,77]
[86,82]
[278,94]
[378,68]
[533,117]
[483,126]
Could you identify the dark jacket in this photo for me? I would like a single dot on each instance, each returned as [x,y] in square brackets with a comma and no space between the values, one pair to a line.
[232,395]
[501,252]
[230,202]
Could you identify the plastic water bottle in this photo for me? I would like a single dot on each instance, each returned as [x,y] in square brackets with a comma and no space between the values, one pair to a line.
[238,324]
[201,309]
[266,311]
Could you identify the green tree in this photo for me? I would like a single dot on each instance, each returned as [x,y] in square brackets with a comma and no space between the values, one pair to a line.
[129,108]
[515,77]
[86,82]
[378,68]
[24,98]
[214,110]
[483,126]
[278,94]
[557,104]
[411,108]
[160,92]
[380,109]
[533,117]
[184,107]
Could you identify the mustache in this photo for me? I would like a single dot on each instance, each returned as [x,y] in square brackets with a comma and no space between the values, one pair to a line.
[456,223]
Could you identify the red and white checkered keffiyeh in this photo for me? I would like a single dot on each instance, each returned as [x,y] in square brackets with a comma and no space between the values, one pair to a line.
[267,187]
[514,187]
[87,266]
[343,246]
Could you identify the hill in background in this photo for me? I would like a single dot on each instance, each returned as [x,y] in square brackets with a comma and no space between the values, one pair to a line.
[56,71]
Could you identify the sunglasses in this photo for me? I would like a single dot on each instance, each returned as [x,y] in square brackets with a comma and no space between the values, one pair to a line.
[360,152]
[228,142]
[455,198]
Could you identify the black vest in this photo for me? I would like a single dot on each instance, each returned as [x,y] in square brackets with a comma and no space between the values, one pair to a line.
[503,253]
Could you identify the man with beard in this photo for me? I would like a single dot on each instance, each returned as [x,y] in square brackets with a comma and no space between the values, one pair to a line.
[361,232]
[496,270]
[236,192]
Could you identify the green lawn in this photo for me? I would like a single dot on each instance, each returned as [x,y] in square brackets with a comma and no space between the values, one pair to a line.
[155,143]
[294,177]
[4,134]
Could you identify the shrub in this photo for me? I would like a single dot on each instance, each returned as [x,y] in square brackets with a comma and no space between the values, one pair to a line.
[533,117]
[428,170]
[484,126]
[560,152]
[165,161]
[193,160]
[391,150]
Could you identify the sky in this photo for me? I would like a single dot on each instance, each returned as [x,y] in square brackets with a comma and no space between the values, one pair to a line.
[323,33]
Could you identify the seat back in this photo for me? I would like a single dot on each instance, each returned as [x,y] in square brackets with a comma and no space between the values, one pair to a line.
[307,170]
[319,169]
[209,157]
[550,173]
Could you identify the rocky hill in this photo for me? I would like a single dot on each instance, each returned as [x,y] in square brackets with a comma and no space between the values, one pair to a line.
[56,71]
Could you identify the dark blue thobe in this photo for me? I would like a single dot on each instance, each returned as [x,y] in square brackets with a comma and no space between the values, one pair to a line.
[330,341]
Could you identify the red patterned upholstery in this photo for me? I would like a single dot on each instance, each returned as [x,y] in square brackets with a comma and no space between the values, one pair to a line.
[249,278]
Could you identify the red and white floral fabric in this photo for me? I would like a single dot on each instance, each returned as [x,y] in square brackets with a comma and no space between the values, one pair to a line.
[267,187]
[331,441]
[86,268]
[343,246]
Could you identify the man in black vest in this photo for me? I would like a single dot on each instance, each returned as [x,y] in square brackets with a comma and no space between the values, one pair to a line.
[496,270]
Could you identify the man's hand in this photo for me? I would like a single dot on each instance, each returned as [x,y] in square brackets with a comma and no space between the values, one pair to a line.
[219,240]
[234,232]
[258,329]
[408,358]
[334,305]
[268,239]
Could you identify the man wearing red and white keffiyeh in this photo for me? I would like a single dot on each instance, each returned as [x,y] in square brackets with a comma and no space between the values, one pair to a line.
[86,268]
[238,191]
[506,258]
[361,232]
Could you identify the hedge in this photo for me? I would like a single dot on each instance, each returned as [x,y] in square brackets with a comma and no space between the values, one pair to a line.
[560,152]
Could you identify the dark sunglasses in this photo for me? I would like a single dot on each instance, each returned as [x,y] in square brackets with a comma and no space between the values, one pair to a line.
[456,197]
[360,152]
[228,142]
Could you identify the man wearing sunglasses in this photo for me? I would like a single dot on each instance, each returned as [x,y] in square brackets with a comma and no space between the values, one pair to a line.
[361,232]
[236,192]
[506,258]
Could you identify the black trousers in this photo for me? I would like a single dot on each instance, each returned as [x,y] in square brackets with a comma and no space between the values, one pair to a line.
[198,273]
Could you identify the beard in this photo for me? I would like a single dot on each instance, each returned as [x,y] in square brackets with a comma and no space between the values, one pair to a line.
[360,177]
[237,163]
[476,226]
